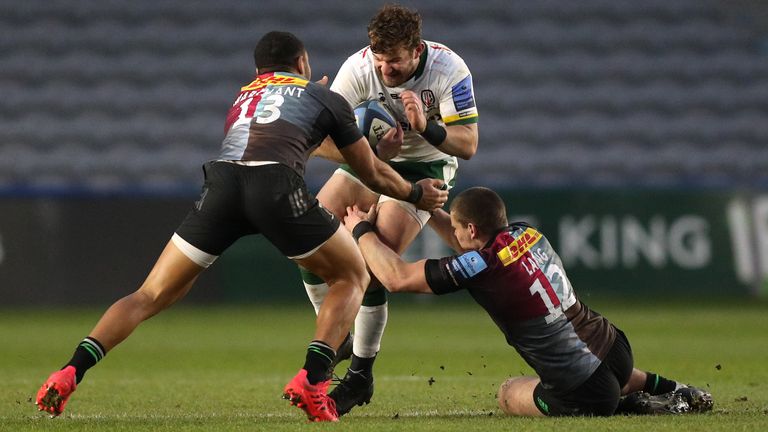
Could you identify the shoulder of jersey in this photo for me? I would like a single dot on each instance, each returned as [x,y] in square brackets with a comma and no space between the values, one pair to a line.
[360,62]
[363,54]
[441,53]
[438,46]
[314,87]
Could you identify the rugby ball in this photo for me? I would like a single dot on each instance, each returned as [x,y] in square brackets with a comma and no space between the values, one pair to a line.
[374,120]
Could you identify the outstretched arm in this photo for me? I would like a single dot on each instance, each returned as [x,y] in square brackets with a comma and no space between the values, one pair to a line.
[395,274]
[388,147]
[440,222]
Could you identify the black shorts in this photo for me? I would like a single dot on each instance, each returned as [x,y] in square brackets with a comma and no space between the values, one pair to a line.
[271,200]
[597,396]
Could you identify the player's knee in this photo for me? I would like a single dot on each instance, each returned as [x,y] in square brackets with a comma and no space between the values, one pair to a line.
[353,278]
[154,300]
[363,280]
[154,297]
[503,397]
[358,274]
[513,395]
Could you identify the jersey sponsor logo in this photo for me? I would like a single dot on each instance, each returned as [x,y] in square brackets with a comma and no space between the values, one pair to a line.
[461,117]
[468,264]
[519,246]
[463,98]
[275,79]
[428,98]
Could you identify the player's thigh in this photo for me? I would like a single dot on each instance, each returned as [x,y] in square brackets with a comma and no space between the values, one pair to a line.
[303,230]
[277,205]
[396,224]
[516,398]
[343,190]
[597,396]
[217,219]
[337,259]
[172,275]
[215,222]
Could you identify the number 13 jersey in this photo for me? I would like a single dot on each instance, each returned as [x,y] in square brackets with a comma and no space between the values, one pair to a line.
[283,117]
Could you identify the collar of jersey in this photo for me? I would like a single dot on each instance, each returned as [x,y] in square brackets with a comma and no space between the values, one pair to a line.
[278,73]
[422,62]
[496,234]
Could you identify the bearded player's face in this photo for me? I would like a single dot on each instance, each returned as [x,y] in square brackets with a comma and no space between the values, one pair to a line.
[396,67]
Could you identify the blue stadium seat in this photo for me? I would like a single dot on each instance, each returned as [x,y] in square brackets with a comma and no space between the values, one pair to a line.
[122,95]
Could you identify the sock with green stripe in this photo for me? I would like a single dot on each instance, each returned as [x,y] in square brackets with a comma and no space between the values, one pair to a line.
[87,354]
[657,384]
[318,362]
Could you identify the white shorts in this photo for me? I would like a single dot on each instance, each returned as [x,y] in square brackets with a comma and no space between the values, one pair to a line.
[421,216]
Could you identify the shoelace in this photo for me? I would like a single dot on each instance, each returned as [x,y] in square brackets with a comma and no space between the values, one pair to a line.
[336,380]
[342,386]
[332,406]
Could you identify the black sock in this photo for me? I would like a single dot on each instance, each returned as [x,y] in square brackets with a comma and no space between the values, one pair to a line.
[362,366]
[87,354]
[657,384]
[318,362]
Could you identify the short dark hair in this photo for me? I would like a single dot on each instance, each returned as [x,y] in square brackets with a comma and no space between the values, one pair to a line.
[394,26]
[482,207]
[277,50]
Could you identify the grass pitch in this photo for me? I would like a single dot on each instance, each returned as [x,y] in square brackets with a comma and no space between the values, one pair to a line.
[223,369]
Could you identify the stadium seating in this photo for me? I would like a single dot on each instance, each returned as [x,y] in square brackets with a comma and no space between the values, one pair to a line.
[124,96]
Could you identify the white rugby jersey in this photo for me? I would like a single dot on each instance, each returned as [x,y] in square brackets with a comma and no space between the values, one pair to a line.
[442,80]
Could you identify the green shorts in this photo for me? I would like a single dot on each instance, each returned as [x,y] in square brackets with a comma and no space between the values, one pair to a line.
[444,170]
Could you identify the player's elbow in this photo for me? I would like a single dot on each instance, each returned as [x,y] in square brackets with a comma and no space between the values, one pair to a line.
[467,138]
[395,285]
[374,182]
[372,178]
[469,150]
[401,279]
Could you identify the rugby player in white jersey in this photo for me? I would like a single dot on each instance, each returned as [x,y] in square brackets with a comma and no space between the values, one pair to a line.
[428,89]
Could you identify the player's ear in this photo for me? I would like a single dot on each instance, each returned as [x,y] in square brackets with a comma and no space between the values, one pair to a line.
[473,233]
[302,66]
[419,49]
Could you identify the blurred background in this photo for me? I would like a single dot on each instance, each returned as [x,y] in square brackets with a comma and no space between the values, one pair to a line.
[633,133]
